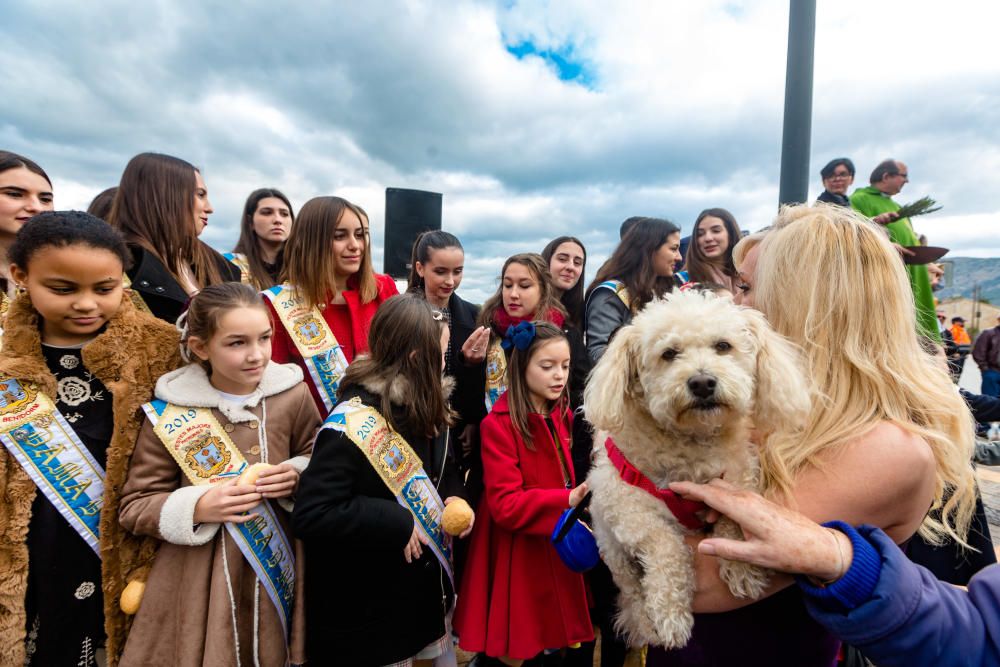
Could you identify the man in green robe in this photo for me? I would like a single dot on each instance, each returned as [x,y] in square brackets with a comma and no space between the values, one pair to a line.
[875,201]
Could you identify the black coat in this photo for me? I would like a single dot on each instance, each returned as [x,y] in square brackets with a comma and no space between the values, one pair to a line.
[365,605]
[159,289]
[469,397]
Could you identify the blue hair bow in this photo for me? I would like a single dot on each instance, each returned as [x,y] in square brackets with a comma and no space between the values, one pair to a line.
[519,336]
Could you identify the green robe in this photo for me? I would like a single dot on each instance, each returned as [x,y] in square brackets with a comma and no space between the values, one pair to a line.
[870,201]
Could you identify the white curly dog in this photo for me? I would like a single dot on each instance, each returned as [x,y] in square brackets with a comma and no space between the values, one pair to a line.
[675,397]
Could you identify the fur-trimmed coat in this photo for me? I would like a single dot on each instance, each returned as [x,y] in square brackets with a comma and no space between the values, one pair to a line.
[134,350]
[187,613]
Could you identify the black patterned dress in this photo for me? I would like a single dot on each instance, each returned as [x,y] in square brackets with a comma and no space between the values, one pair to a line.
[64,603]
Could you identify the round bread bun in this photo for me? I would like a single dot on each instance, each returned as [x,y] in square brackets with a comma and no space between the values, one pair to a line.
[250,475]
[132,597]
[456,517]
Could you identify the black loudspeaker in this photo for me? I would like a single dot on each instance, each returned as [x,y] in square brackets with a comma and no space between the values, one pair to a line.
[407,214]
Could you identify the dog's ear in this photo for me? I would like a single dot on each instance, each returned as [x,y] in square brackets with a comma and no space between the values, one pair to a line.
[782,398]
[615,378]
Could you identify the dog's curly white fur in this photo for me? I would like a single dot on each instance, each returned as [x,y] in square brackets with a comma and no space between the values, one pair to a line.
[679,390]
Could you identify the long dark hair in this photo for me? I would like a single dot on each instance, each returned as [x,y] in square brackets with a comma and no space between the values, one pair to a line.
[572,299]
[10,160]
[405,341]
[154,209]
[632,262]
[427,241]
[695,263]
[100,206]
[248,245]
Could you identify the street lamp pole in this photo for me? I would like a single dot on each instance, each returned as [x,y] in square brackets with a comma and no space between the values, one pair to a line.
[797,129]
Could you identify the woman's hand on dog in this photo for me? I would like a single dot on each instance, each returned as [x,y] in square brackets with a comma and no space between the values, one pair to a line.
[776,537]
[577,494]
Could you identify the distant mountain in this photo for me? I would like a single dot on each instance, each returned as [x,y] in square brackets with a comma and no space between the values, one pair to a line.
[972,270]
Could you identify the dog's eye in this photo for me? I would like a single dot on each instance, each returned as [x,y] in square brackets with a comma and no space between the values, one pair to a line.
[723,346]
[669,354]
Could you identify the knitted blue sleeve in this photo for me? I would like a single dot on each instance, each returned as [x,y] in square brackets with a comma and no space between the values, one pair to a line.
[857,584]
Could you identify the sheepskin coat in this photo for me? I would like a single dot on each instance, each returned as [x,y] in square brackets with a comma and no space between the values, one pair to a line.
[366,605]
[517,598]
[187,614]
[128,357]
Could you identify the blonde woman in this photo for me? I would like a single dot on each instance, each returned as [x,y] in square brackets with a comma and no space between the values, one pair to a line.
[888,439]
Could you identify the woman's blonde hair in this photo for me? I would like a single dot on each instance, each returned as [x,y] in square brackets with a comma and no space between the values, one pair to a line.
[309,261]
[830,280]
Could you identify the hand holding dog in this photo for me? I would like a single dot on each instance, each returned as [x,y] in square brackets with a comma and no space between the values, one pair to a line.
[776,537]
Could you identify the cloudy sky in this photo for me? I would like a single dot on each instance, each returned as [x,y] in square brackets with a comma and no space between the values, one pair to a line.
[534,119]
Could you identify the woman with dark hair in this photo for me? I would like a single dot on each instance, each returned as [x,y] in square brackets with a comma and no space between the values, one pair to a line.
[161,207]
[329,294]
[25,191]
[640,269]
[710,255]
[837,175]
[436,267]
[264,228]
[100,206]
[567,259]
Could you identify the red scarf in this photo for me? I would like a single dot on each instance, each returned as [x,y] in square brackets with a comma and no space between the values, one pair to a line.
[502,320]
[683,509]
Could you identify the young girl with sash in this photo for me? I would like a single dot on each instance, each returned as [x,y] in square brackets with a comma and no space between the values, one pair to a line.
[437,265]
[225,588]
[639,270]
[517,598]
[267,220]
[78,361]
[370,503]
[324,308]
[25,190]
[161,207]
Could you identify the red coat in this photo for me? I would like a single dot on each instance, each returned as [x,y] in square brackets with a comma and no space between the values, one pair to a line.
[517,598]
[351,331]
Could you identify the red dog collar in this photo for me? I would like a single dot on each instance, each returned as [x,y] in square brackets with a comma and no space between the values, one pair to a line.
[684,510]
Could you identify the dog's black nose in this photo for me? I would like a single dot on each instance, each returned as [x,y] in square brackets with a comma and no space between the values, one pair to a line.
[701,385]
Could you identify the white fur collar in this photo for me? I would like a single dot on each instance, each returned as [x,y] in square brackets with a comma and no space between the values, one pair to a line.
[189,386]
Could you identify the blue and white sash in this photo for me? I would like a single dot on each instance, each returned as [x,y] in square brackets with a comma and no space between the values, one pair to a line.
[399,467]
[207,455]
[322,354]
[39,437]
[240,262]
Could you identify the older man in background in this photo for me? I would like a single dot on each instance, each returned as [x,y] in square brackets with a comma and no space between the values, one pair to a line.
[875,201]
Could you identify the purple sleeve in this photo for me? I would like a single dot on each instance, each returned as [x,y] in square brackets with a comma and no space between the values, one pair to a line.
[911,618]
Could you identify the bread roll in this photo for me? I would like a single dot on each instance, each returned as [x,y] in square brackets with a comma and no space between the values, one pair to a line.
[456,517]
[132,597]
[250,475]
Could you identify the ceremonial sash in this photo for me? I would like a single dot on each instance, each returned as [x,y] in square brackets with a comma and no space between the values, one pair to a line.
[207,455]
[240,261]
[496,372]
[400,469]
[618,287]
[45,445]
[136,298]
[322,354]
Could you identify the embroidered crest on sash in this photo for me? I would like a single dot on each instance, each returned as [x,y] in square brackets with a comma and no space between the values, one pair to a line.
[207,456]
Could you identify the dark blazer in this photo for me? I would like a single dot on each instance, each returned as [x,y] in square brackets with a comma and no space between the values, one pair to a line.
[468,399]
[365,604]
[158,288]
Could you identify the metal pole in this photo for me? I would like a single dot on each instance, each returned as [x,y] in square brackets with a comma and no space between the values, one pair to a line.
[797,129]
